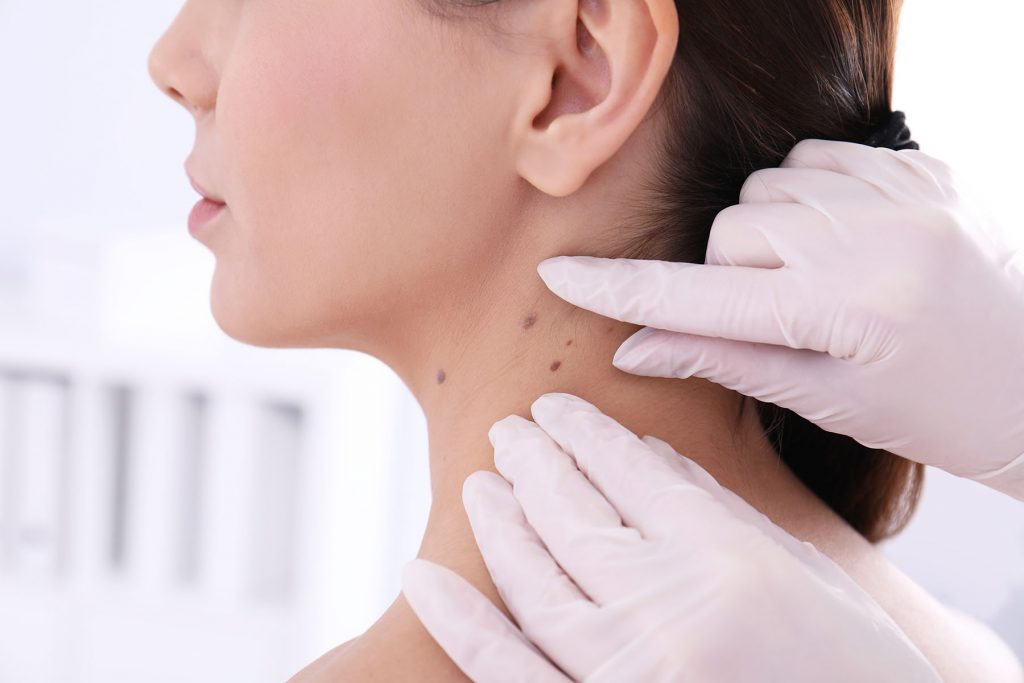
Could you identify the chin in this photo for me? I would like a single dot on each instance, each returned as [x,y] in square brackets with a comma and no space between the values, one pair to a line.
[245,320]
[248,331]
[250,321]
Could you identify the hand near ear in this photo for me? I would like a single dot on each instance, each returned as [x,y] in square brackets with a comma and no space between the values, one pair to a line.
[855,286]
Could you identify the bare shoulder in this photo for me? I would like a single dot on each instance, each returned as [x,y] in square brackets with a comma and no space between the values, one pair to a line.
[395,648]
[961,649]
[998,656]
[370,662]
[324,668]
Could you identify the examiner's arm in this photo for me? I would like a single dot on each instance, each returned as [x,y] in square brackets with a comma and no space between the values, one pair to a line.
[874,259]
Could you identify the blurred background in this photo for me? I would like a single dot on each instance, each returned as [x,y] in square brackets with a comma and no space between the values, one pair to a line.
[177,506]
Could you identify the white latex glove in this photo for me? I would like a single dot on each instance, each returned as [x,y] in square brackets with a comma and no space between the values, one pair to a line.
[621,560]
[854,286]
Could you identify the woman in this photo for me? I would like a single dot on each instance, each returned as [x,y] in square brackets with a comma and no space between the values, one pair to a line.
[394,171]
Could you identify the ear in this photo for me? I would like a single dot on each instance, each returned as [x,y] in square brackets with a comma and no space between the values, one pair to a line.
[605,63]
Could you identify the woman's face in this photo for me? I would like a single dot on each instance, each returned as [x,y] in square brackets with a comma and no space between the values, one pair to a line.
[357,145]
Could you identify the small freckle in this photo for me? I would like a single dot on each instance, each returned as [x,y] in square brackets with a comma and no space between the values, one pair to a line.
[610,328]
[440,376]
[569,343]
[529,321]
[555,365]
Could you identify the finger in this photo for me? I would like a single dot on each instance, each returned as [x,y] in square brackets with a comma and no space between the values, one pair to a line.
[475,634]
[547,604]
[819,189]
[935,180]
[767,235]
[647,494]
[882,167]
[579,526]
[526,575]
[864,161]
[745,513]
[849,158]
[810,383]
[942,173]
[735,302]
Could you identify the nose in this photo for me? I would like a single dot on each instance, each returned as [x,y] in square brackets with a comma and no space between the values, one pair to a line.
[178,65]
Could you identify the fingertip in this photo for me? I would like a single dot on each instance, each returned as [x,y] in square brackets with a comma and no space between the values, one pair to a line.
[623,355]
[565,260]
[662,353]
[479,485]
[550,264]
[416,573]
[551,405]
[512,439]
[504,429]
[471,489]
[553,271]
[568,276]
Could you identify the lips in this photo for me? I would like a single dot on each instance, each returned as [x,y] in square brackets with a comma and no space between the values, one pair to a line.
[199,188]
[206,195]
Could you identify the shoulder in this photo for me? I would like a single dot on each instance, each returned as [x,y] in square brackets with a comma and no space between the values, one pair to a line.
[1003,665]
[323,669]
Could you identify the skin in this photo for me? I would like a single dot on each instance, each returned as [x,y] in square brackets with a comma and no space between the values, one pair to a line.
[392,181]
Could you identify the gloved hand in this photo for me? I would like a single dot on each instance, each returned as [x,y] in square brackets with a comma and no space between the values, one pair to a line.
[853,286]
[667,575]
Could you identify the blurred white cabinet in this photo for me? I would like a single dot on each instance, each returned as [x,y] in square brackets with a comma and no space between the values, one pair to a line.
[165,519]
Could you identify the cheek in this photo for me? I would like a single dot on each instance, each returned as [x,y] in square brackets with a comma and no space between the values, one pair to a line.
[350,177]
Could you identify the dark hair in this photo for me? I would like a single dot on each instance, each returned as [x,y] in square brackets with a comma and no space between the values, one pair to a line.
[750,79]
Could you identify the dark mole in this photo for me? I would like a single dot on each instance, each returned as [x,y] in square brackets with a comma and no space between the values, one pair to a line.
[440,376]
[569,343]
[555,365]
[529,321]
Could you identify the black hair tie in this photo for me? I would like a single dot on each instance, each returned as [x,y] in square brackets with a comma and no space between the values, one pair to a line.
[892,133]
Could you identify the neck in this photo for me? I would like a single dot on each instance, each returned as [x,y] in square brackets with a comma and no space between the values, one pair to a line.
[542,345]
[487,361]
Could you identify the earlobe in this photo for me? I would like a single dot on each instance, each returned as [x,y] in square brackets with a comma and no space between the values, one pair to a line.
[602,77]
